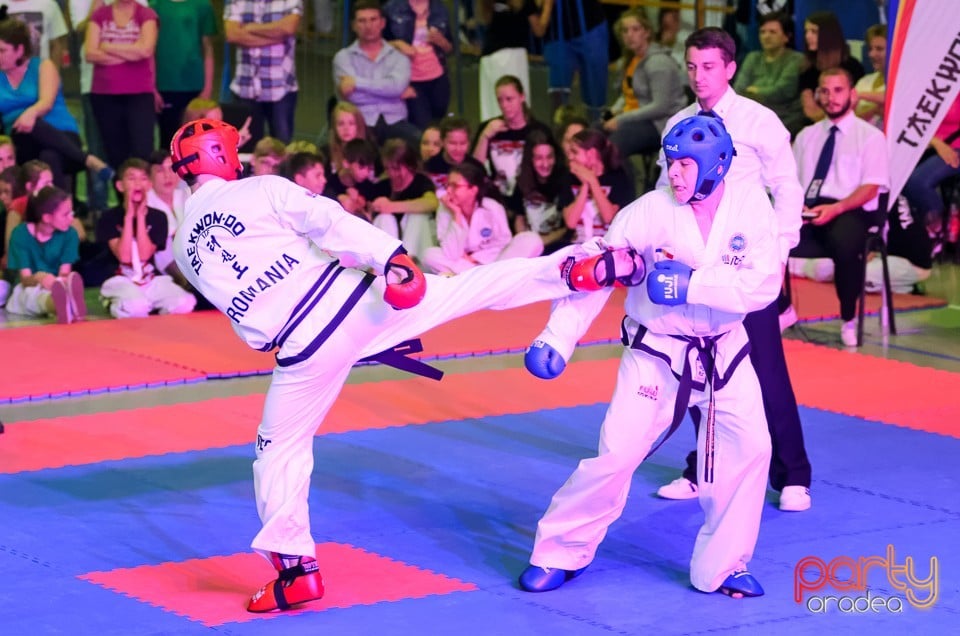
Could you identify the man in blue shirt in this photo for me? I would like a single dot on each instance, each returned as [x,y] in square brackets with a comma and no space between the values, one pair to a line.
[374,76]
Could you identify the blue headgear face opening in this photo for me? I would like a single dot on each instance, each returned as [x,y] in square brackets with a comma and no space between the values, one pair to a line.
[707,142]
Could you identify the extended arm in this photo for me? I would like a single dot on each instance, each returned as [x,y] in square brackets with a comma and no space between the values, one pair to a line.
[569,320]
[330,227]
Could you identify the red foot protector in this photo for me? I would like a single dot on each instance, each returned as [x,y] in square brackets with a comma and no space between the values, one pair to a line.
[295,585]
[215,591]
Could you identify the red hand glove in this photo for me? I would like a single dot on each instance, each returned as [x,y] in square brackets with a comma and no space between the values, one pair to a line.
[406,284]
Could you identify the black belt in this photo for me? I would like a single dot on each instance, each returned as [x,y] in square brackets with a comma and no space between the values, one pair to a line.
[396,357]
[706,347]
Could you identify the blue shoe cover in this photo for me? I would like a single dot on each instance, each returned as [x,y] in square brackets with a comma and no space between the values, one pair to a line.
[739,584]
[538,579]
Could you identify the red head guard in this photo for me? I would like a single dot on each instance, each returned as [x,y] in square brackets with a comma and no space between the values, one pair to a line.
[206,146]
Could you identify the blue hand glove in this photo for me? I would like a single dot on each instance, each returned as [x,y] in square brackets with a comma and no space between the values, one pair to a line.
[667,285]
[544,361]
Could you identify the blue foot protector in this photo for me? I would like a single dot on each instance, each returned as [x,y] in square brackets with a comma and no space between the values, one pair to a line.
[538,579]
[740,584]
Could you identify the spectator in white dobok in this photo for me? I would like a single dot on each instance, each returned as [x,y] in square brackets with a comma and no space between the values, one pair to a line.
[472,228]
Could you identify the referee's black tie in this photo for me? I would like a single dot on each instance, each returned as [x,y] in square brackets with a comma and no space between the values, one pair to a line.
[823,167]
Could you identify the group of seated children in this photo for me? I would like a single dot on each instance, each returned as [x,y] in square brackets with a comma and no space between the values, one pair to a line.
[453,202]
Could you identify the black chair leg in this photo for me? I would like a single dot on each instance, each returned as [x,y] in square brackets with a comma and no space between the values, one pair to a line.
[887,301]
[862,304]
[891,322]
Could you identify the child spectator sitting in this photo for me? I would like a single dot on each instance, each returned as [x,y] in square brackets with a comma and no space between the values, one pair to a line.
[300,145]
[8,160]
[601,186]
[455,140]
[500,142]
[355,186]
[472,228]
[8,152]
[872,87]
[306,170]
[201,108]
[567,127]
[542,177]
[430,142]
[42,251]
[36,175]
[267,155]
[412,198]
[347,124]
[510,24]
[11,187]
[134,233]
[168,195]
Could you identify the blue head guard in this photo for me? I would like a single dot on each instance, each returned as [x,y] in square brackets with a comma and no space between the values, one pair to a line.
[705,140]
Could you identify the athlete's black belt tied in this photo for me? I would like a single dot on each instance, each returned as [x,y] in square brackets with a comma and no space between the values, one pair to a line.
[398,357]
[706,347]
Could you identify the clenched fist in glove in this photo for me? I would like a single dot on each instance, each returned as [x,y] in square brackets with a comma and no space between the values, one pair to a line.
[543,361]
[406,285]
[623,266]
[667,284]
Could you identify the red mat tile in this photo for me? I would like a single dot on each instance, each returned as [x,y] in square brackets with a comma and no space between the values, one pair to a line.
[201,340]
[221,422]
[839,381]
[89,438]
[215,590]
[818,301]
[57,360]
[875,388]
[115,354]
